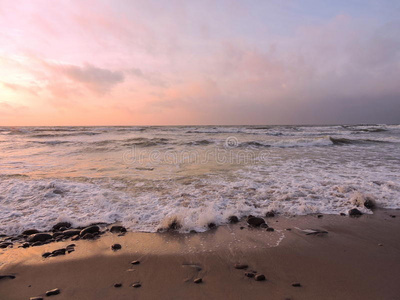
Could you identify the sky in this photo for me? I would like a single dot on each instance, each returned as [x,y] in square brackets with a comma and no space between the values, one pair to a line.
[188,62]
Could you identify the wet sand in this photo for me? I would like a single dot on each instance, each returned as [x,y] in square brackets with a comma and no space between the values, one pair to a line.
[359,258]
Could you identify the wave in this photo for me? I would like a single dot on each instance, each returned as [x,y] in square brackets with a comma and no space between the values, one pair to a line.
[55,135]
[347,141]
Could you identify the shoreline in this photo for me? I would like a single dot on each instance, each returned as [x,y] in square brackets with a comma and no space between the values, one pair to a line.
[358,258]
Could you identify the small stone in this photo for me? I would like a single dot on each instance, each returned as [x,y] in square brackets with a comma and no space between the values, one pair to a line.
[259,277]
[241,266]
[270,214]
[39,237]
[46,254]
[319,216]
[35,298]
[53,292]
[30,231]
[58,252]
[211,225]
[117,285]
[233,219]
[116,247]
[392,216]
[354,212]
[198,280]
[296,284]
[270,229]
[37,244]
[25,245]
[76,238]
[7,276]
[59,225]
[241,227]
[264,225]
[369,203]
[136,285]
[87,236]
[90,229]
[380,245]
[342,214]
[288,229]
[255,221]
[249,274]
[5,245]
[117,229]
[135,262]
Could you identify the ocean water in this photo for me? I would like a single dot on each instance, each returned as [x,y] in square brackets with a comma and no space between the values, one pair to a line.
[145,177]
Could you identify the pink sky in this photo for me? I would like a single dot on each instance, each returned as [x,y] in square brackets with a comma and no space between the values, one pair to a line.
[197,62]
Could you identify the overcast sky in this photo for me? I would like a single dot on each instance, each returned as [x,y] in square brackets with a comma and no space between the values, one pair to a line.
[199,62]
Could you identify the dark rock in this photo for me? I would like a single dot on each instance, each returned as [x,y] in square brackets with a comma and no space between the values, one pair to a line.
[392,216]
[116,247]
[192,231]
[319,216]
[270,214]
[63,228]
[296,284]
[174,225]
[211,225]
[88,236]
[57,234]
[117,285]
[5,245]
[59,225]
[117,229]
[35,298]
[90,229]
[25,245]
[241,266]
[71,232]
[30,231]
[233,219]
[135,262]
[71,245]
[46,254]
[342,214]
[7,276]
[58,192]
[75,238]
[38,243]
[241,227]
[354,212]
[255,221]
[289,229]
[39,237]
[53,292]
[198,280]
[58,252]
[259,277]
[136,285]
[369,203]
[249,274]
[270,229]
[380,245]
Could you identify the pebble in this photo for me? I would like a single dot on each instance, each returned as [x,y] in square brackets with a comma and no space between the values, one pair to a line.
[270,214]
[117,285]
[255,221]
[233,219]
[296,284]
[319,216]
[53,292]
[270,229]
[135,262]
[35,298]
[259,277]
[198,280]
[116,247]
[117,229]
[136,285]
[249,274]
[241,266]
[354,212]
[392,216]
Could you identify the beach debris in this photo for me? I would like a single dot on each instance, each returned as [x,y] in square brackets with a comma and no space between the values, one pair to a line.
[117,285]
[117,229]
[296,284]
[39,237]
[60,225]
[259,277]
[53,292]
[270,229]
[91,229]
[270,214]
[135,262]
[116,247]
[241,266]
[354,212]
[314,231]
[233,219]
[255,221]
[136,285]
[198,280]
[7,276]
[30,231]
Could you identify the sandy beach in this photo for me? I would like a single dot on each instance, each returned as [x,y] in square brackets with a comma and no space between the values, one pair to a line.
[358,258]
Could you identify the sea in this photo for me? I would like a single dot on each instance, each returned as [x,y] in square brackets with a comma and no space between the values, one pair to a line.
[146,176]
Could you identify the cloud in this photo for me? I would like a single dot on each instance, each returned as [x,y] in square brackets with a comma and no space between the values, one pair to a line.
[33,90]
[152,79]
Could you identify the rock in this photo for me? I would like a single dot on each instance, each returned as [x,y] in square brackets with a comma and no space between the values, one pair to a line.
[38,243]
[288,229]
[354,212]
[380,245]
[116,247]
[342,214]
[75,238]
[135,262]
[58,252]
[270,214]
[314,231]
[117,285]
[59,225]
[174,225]
[233,219]
[30,231]
[25,245]
[241,266]
[198,280]
[264,225]
[117,229]
[57,234]
[296,284]
[39,237]
[369,203]
[136,285]
[35,298]
[249,274]
[319,216]
[90,229]
[71,232]
[392,216]
[255,221]
[46,254]
[241,227]
[7,276]
[211,225]
[58,192]
[270,229]
[5,245]
[53,292]
[259,277]
[88,236]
